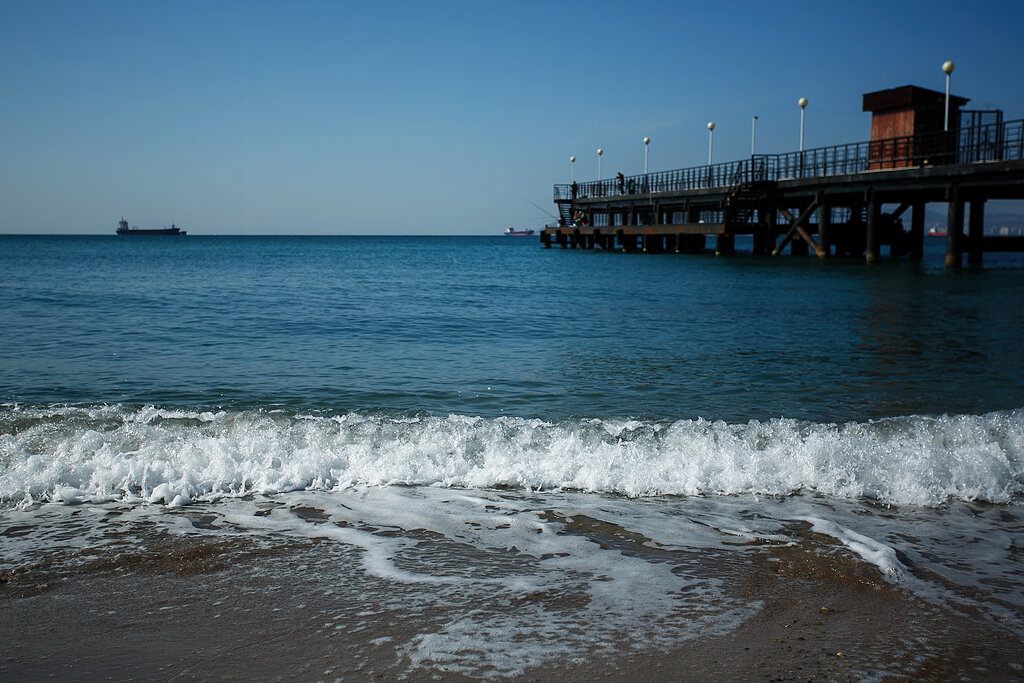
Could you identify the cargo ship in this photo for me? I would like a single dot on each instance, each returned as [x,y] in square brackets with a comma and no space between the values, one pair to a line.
[123,229]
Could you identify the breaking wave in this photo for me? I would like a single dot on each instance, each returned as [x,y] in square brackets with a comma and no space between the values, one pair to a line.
[74,454]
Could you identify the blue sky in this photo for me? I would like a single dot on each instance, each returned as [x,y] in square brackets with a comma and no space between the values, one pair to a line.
[231,117]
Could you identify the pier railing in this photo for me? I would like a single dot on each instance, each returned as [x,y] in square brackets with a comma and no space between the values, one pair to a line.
[1002,141]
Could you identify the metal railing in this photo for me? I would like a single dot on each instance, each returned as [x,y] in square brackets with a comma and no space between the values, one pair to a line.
[973,144]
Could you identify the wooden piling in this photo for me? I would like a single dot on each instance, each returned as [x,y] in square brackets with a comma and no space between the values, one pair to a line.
[824,221]
[976,231]
[917,230]
[871,250]
[954,227]
[771,217]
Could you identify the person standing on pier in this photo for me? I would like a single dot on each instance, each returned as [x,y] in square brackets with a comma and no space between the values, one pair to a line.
[622,182]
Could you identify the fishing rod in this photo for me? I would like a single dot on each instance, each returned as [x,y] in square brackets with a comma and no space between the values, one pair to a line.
[541,208]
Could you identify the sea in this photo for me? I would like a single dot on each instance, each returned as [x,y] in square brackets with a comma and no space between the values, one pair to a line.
[533,456]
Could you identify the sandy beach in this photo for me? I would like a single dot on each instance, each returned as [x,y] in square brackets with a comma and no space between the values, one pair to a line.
[156,606]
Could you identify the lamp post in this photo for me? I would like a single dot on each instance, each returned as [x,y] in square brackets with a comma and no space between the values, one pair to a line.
[572,169]
[803,106]
[711,139]
[599,153]
[753,133]
[647,142]
[947,68]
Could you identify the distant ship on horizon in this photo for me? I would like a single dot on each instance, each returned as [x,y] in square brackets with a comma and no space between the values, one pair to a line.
[123,229]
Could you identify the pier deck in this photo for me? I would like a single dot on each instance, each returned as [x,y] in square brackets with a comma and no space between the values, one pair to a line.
[840,200]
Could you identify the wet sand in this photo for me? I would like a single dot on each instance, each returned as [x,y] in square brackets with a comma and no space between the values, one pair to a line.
[170,608]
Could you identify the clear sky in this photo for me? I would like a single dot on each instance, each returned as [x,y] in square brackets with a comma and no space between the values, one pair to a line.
[252,117]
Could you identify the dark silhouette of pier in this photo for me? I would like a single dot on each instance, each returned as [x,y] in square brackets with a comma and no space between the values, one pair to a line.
[828,200]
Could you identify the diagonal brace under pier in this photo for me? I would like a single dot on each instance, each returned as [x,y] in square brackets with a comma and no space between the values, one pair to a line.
[796,226]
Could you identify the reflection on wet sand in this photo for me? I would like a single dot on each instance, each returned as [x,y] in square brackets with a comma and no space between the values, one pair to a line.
[482,584]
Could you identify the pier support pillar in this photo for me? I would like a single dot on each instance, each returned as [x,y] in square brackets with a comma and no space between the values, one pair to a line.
[917,230]
[824,221]
[871,251]
[976,231]
[850,240]
[759,241]
[688,243]
[725,245]
[771,216]
[954,228]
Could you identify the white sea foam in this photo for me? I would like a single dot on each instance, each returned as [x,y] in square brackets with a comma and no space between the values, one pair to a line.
[176,457]
[875,552]
[491,583]
[510,585]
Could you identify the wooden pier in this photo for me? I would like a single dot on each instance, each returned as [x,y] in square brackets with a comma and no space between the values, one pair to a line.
[842,200]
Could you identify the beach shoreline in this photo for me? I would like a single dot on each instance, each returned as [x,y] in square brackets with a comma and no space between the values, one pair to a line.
[157,606]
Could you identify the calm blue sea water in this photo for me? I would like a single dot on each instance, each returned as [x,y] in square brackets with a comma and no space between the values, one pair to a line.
[497,326]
